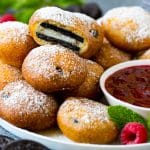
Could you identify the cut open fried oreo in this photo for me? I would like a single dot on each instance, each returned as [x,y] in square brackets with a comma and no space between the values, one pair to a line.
[25,145]
[75,31]
[57,35]
[4,140]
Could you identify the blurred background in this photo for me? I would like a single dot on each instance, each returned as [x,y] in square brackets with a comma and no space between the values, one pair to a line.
[21,10]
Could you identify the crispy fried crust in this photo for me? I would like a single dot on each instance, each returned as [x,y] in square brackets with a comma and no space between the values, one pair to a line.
[86,121]
[56,68]
[15,43]
[127,28]
[25,107]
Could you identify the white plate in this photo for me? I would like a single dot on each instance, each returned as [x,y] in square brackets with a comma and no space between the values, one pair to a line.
[55,140]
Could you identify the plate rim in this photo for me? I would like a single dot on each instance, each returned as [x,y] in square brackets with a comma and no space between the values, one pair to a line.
[6,125]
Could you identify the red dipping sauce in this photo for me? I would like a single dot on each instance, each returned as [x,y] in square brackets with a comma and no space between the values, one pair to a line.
[131,85]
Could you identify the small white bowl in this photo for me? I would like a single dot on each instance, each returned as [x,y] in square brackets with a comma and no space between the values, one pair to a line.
[145,112]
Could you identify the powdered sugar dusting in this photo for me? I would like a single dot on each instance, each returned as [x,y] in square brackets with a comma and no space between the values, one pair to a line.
[84,110]
[21,96]
[39,60]
[62,16]
[14,30]
[56,14]
[137,15]
[88,21]
[42,61]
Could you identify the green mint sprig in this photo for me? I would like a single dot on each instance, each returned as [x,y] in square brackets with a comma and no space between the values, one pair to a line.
[122,115]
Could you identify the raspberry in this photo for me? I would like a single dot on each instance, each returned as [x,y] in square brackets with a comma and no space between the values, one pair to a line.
[7,17]
[134,133]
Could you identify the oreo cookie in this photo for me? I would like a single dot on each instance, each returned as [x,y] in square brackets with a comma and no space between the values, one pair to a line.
[25,145]
[92,9]
[74,8]
[4,140]
[57,41]
[60,32]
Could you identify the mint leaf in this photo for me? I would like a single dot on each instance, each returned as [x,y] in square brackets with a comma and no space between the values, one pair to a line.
[122,115]
[148,124]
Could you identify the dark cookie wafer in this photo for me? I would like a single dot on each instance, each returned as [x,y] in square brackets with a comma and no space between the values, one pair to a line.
[25,145]
[4,140]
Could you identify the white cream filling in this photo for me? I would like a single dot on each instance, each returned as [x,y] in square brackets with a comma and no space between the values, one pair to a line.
[59,36]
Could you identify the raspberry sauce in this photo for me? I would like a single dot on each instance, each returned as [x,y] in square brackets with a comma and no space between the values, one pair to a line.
[131,85]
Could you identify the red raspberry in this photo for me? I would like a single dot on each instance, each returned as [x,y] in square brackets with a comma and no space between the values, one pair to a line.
[7,17]
[134,133]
